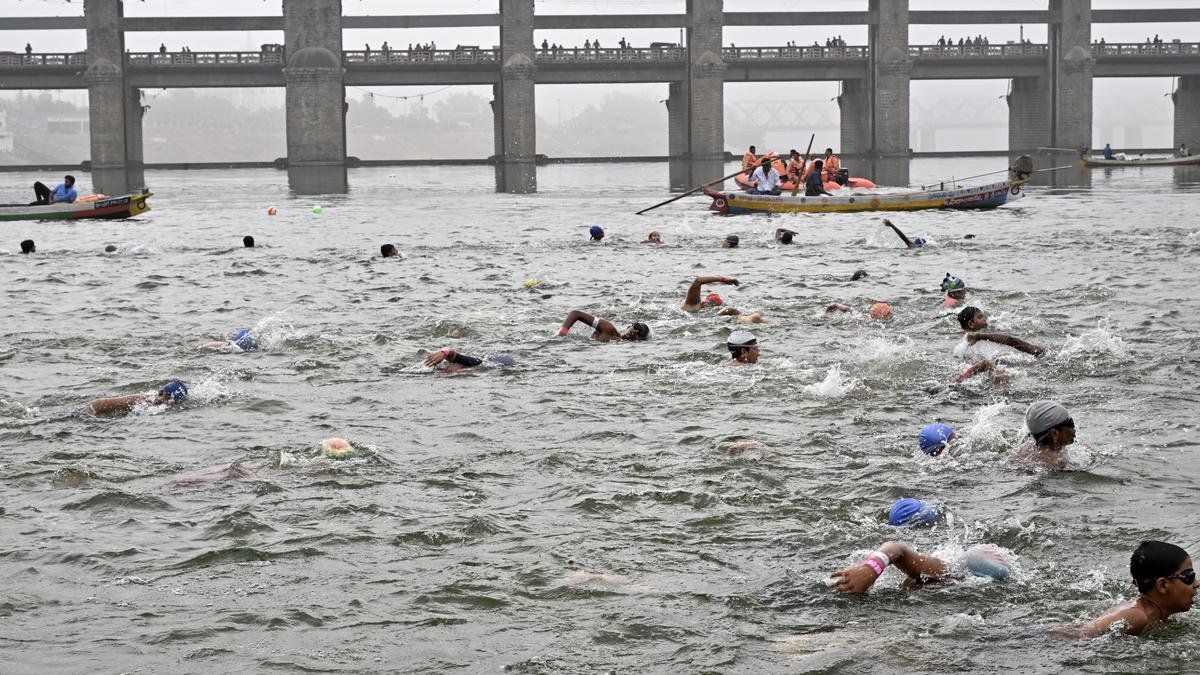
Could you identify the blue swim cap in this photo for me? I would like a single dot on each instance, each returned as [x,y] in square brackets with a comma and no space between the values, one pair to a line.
[909,511]
[244,339]
[502,360]
[175,390]
[934,435]
[596,232]
[919,241]
[986,560]
[952,283]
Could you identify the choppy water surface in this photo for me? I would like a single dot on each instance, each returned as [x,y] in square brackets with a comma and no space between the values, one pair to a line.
[582,511]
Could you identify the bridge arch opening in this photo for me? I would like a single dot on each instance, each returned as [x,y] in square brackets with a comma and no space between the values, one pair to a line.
[1133,113]
[779,116]
[958,115]
[430,122]
[605,120]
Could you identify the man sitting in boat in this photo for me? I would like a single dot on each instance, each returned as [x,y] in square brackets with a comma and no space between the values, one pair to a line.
[766,180]
[63,192]
[749,159]
[795,167]
[832,165]
[814,186]
[1108,153]
[1183,151]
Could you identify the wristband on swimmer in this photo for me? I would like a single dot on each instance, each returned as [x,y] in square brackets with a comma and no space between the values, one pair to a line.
[445,351]
[722,278]
[878,562]
[596,322]
[563,330]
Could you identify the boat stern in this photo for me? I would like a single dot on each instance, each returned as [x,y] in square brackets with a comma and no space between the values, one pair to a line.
[720,203]
[137,202]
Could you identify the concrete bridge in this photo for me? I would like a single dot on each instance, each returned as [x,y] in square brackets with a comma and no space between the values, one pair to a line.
[1050,103]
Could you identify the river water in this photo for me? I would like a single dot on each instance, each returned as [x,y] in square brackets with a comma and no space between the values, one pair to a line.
[582,511]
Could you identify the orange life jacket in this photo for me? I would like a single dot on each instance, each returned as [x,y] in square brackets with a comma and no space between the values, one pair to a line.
[748,160]
[832,166]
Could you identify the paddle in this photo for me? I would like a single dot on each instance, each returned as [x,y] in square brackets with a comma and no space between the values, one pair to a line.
[803,163]
[675,199]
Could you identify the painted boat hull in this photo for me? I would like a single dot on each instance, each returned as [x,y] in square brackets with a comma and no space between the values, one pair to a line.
[1091,163]
[978,197]
[124,206]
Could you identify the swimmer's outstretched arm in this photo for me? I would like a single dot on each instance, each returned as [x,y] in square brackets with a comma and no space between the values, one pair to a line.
[692,299]
[780,231]
[983,366]
[1016,343]
[603,326]
[450,356]
[897,231]
[117,405]
[838,307]
[858,578]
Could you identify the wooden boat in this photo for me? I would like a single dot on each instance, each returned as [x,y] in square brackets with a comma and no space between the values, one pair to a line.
[124,206]
[978,197]
[1093,162]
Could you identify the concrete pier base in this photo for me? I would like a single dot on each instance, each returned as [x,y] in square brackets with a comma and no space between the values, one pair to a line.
[678,135]
[855,111]
[1071,81]
[316,97]
[706,91]
[114,110]
[1028,115]
[1187,113]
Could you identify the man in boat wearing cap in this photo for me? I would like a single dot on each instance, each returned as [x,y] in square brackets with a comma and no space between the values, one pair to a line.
[1051,430]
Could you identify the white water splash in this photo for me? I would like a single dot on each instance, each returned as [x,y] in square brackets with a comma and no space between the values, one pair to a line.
[1098,342]
[835,384]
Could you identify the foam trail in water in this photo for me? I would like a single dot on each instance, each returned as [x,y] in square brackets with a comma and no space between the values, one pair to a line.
[1096,342]
[835,384]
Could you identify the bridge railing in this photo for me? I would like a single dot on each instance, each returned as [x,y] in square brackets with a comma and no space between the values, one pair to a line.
[403,57]
[977,51]
[792,53]
[14,60]
[608,54]
[205,58]
[1146,49]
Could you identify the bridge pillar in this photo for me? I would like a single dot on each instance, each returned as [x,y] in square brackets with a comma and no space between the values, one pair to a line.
[316,96]
[1028,115]
[1071,70]
[705,91]
[1187,112]
[891,72]
[855,107]
[516,147]
[678,136]
[114,111]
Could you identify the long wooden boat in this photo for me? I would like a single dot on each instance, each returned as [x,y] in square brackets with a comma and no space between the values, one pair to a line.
[124,206]
[1092,162]
[978,197]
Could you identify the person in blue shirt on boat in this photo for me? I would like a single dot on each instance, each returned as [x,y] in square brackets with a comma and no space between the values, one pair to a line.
[814,185]
[1108,153]
[766,180]
[64,192]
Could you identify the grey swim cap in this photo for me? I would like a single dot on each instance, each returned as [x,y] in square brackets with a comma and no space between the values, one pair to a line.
[741,338]
[1045,415]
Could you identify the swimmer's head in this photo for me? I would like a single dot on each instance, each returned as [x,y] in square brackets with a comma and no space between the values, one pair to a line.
[880,311]
[986,560]
[743,346]
[919,242]
[337,448]
[174,391]
[1163,570]
[909,511]
[859,274]
[110,249]
[972,319]
[1050,424]
[505,360]
[28,246]
[786,238]
[654,238]
[731,241]
[388,251]
[935,437]
[713,299]
[248,241]
[954,287]
[637,331]
[244,339]
[596,232]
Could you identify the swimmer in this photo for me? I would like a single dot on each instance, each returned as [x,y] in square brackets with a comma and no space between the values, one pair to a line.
[28,246]
[783,235]
[983,560]
[692,302]
[972,319]
[1052,430]
[1166,583]
[935,437]
[110,249]
[743,346]
[242,340]
[172,393]
[455,361]
[880,311]
[248,241]
[913,243]
[596,233]
[909,511]
[653,238]
[955,289]
[731,241]
[605,331]
[337,448]
[999,377]
[859,274]
[388,251]
[1008,340]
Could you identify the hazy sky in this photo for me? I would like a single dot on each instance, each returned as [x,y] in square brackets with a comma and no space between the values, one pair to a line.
[1146,94]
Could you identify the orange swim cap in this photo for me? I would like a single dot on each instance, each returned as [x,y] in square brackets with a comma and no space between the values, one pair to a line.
[881,311]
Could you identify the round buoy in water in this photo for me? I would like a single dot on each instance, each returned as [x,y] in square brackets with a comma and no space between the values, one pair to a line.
[271,211]
[532,282]
[317,208]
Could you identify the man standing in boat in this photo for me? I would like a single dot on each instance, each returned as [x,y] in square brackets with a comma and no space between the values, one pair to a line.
[766,180]
[63,192]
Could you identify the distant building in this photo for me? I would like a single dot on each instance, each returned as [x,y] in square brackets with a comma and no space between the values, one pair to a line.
[70,126]
[6,137]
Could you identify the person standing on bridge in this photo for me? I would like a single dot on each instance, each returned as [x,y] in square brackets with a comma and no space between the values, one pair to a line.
[28,49]
[162,48]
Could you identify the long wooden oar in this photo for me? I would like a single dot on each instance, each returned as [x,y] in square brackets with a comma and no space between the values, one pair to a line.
[803,163]
[675,199]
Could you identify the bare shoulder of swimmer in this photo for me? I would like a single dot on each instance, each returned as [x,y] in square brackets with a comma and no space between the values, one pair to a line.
[1129,618]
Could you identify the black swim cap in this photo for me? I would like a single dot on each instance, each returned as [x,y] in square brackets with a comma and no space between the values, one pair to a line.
[786,238]
[642,329]
[732,240]
[860,274]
